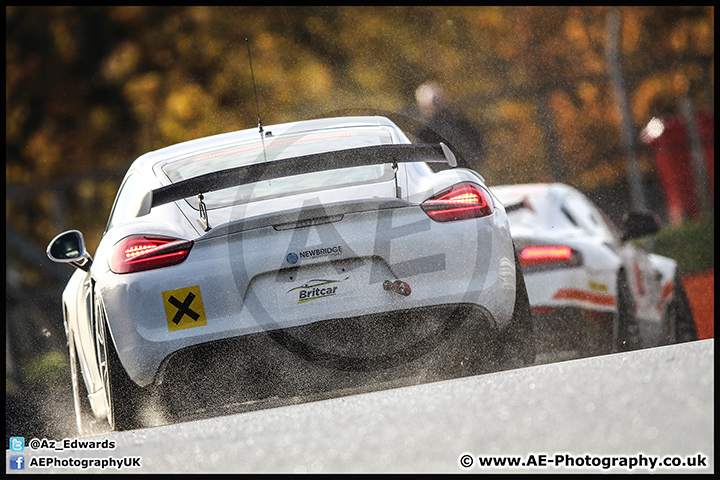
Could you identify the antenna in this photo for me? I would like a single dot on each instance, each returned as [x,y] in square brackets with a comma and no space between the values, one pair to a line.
[257,105]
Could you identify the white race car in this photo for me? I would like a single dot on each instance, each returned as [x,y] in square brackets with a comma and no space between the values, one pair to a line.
[591,288]
[246,263]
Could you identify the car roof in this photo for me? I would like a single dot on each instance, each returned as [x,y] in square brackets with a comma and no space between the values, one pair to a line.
[548,214]
[146,161]
[509,194]
[546,201]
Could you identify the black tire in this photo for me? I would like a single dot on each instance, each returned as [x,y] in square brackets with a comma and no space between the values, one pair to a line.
[680,321]
[81,404]
[628,329]
[517,346]
[124,398]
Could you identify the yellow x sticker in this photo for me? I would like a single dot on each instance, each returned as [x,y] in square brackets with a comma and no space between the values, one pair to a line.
[184,308]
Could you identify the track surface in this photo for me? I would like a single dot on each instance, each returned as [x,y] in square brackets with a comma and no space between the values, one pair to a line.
[653,403]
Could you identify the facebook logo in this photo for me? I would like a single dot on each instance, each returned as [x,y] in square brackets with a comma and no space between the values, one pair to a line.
[17,462]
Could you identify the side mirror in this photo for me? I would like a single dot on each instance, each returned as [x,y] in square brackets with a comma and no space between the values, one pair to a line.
[640,224]
[69,247]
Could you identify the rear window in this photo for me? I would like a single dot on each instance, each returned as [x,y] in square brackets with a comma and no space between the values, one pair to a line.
[278,148]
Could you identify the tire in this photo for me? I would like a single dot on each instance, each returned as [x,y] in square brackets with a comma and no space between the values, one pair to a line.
[628,336]
[680,320]
[123,397]
[81,403]
[517,342]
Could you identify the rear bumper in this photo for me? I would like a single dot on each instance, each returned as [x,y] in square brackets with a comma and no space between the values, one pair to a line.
[253,281]
[573,287]
[330,354]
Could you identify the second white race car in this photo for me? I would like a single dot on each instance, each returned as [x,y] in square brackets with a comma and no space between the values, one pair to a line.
[592,288]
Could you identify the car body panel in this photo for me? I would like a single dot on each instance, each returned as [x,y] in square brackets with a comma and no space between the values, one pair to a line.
[364,256]
[557,214]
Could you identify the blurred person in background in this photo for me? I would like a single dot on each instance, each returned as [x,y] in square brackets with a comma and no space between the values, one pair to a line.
[442,123]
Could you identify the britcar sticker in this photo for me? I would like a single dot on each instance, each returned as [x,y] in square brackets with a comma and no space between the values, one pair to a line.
[184,308]
[316,289]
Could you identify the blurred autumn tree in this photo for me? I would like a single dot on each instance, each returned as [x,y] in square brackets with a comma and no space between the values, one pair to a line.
[88,89]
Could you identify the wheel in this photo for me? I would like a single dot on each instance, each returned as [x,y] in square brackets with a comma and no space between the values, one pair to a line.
[123,397]
[627,335]
[80,401]
[680,321]
[517,342]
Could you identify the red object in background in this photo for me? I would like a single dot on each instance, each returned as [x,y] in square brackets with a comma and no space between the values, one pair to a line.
[672,156]
[700,288]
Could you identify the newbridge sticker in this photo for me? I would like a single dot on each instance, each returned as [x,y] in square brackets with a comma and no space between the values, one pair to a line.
[293,257]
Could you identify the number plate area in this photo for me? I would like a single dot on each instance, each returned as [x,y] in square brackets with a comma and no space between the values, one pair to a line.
[341,309]
[308,293]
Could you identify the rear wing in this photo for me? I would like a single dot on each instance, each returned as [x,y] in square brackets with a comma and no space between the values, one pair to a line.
[354,157]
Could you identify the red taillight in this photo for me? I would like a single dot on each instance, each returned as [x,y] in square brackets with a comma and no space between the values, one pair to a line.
[461,201]
[145,252]
[548,255]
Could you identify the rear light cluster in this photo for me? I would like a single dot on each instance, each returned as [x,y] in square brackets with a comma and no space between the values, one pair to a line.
[145,252]
[549,256]
[459,202]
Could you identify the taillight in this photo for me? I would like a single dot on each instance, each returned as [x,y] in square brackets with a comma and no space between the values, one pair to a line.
[549,255]
[145,252]
[461,201]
